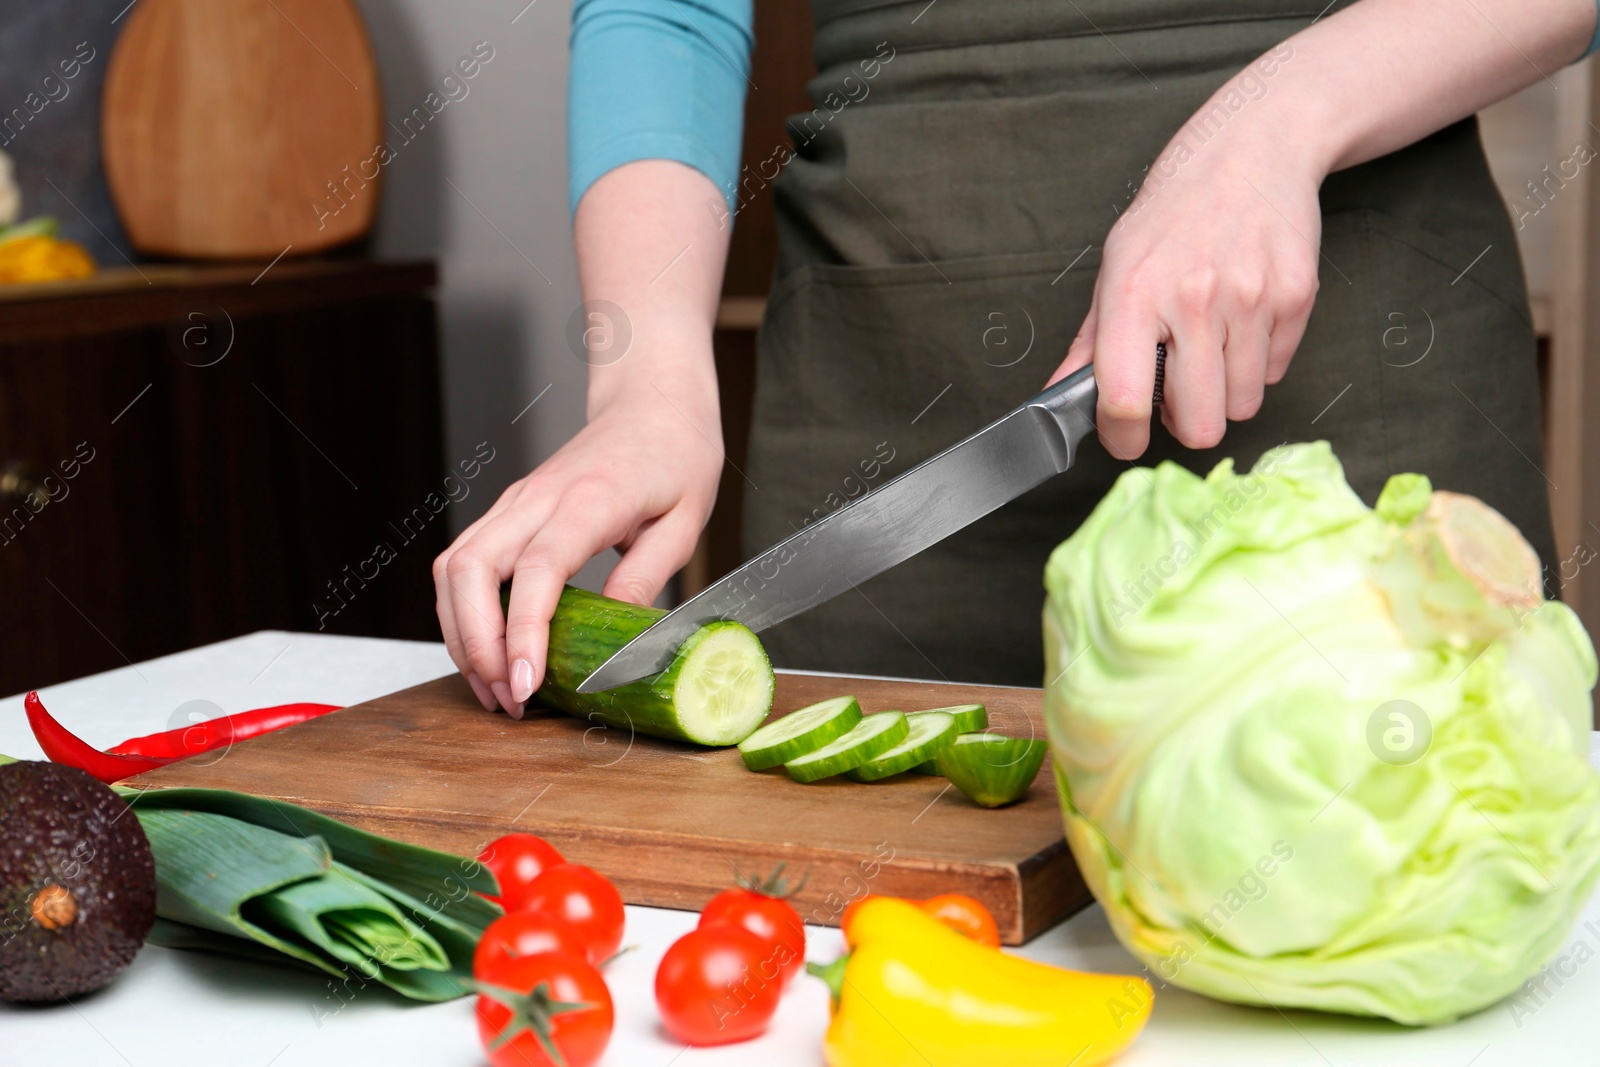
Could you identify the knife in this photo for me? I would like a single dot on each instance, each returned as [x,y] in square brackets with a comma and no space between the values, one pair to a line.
[1023,448]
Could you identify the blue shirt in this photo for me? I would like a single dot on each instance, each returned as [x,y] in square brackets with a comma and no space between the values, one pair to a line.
[664,79]
[657,79]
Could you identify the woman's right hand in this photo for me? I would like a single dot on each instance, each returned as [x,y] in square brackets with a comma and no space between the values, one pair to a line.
[641,476]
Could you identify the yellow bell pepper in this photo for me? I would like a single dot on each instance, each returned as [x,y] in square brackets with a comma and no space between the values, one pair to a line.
[914,993]
[42,259]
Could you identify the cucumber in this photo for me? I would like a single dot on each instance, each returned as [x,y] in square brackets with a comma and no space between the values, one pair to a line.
[872,736]
[992,769]
[929,732]
[716,690]
[970,718]
[799,732]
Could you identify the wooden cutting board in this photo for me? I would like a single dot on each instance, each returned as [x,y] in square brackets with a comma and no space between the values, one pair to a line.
[228,127]
[669,822]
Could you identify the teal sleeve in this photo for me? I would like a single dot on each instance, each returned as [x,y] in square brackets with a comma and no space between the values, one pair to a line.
[657,79]
[1594,42]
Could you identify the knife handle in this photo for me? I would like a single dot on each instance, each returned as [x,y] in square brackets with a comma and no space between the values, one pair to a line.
[1070,403]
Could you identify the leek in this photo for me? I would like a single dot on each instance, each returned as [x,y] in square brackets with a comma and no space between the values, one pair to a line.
[261,879]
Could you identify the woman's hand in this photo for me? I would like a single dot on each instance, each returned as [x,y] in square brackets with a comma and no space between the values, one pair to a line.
[1218,253]
[651,238]
[1217,257]
[641,476]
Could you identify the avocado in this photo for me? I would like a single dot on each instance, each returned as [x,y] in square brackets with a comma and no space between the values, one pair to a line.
[77,883]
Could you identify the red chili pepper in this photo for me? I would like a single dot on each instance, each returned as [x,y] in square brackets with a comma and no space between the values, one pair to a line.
[142,754]
[62,746]
[220,732]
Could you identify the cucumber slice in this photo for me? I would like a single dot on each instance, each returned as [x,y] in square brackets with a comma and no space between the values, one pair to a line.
[992,769]
[799,732]
[970,718]
[872,736]
[716,691]
[929,731]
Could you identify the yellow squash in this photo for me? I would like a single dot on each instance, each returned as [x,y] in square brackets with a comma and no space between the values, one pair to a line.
[914,993]
[42,259]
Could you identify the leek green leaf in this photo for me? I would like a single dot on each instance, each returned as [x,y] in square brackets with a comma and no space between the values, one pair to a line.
[351,922]
[451,884]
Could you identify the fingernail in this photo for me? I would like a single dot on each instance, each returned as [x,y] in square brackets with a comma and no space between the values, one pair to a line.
[481,691]
[521,681]
[502,693]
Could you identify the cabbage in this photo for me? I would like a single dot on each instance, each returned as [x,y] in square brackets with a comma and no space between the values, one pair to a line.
[1318,755]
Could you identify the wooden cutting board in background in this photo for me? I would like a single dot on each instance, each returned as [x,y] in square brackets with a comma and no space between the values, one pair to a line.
[224,122]
[669,822]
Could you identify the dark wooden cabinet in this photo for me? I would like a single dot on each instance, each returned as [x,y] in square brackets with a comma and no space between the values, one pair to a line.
[188,454]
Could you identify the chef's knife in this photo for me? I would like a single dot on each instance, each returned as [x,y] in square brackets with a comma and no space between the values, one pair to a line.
[926,504]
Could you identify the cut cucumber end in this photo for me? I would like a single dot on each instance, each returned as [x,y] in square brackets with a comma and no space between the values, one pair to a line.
[990,768]
[872,736]
[970,718]
[724,685]
[800,732]
[928,732]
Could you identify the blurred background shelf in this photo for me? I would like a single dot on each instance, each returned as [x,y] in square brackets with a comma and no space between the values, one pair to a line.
[237,443]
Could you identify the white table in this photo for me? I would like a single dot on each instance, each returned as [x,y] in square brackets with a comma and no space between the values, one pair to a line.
[173,1009]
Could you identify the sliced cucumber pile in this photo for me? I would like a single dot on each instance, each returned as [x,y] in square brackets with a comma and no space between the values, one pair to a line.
[799,732]
[872,736]
[929,731]
[832,737]
[990,768]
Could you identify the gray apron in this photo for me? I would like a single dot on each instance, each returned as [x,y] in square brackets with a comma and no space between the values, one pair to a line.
[940,232]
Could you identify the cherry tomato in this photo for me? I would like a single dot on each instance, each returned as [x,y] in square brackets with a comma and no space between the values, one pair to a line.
[524,933]
[580,1035]
[586,901]
[716,985]
[772,919]
[965,916]
[516,860]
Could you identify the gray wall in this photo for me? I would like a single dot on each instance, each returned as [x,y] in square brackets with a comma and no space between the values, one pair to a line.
[484,192]
[51,124]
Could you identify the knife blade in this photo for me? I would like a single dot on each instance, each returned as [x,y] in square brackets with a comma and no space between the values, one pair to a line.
[1028,445]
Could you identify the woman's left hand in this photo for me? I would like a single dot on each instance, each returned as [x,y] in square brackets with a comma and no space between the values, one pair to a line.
[1216,257]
